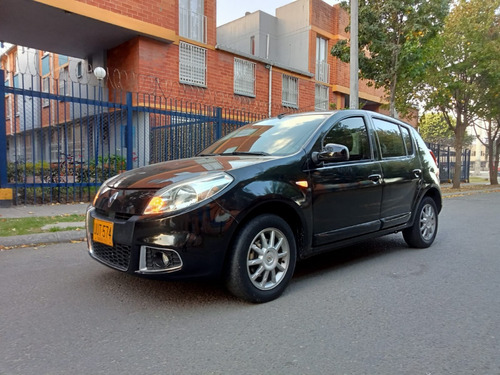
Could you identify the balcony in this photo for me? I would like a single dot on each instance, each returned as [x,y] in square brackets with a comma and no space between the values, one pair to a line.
[192,25]
[322,71]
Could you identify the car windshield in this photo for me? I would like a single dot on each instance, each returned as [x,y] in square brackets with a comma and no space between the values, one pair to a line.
[275,136]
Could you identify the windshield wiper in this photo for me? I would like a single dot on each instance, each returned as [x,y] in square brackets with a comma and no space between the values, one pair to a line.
[257,153]
[252,153]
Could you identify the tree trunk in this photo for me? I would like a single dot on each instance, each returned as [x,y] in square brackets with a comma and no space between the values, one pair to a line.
[392,100]
[459,137]
[493,149]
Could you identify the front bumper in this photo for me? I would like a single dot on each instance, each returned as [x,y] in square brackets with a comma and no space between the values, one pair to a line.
[191,244]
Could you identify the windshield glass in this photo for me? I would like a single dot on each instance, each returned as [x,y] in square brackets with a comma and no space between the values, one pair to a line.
[275,136]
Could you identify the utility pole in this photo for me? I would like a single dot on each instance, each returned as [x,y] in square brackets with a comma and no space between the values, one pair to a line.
[354,64]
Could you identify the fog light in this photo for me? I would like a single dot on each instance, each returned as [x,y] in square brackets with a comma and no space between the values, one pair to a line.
[160,260]
[155,260]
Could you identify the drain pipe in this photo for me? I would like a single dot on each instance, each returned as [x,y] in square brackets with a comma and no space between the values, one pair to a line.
[270,67]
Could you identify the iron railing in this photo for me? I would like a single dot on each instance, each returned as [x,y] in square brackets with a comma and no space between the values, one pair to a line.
[60,147]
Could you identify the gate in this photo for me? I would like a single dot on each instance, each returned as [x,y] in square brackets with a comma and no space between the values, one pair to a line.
[60,146]
[446,157]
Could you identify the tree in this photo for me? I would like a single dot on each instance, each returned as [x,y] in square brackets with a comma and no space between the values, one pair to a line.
[434,129]
[489,97]
[492,143]
[392,37]
[458,60]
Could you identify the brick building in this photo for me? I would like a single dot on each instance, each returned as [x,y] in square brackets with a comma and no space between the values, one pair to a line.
[173,49]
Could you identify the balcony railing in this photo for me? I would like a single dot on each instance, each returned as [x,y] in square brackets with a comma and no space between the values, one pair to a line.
[322,71]
[192,25]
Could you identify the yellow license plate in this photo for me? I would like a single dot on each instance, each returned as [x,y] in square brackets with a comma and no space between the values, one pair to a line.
[103,232]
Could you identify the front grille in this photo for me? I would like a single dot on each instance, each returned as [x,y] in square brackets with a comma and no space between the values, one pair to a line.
[114,215]
[117,256]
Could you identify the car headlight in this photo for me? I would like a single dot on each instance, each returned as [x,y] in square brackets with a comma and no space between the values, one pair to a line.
[187,193]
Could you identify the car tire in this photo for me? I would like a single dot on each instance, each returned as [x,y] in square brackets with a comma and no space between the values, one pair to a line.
[262,260]
[424,229]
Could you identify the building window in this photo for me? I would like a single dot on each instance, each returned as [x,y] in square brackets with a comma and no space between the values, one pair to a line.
[79,69]
[192,64]
[290,92]
[192,21]
[16,81]
[62,60]
[45,90]
[252,45]
[45,65]
[63,77]
[321,98]
[322,67]
[244,77]
[8,107]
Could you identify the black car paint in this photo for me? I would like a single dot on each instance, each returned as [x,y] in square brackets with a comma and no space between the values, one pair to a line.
[321,214]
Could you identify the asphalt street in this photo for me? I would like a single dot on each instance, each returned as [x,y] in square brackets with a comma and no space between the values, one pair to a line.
[375,308]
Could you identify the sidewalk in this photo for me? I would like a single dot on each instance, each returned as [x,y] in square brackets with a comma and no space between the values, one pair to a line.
[44,210]
[80,208]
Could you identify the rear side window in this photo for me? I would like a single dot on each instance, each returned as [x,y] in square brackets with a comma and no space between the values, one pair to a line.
[407,140]
[351,132]
[390,138]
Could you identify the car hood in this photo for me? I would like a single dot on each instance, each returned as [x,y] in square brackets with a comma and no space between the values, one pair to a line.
[157,176]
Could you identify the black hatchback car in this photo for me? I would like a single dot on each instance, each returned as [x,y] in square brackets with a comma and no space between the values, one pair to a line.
[251,205]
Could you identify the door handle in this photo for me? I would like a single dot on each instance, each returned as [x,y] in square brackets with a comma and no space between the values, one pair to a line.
[417,173]
[375,178]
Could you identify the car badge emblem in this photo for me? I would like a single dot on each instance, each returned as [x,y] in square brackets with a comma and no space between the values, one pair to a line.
[112,199]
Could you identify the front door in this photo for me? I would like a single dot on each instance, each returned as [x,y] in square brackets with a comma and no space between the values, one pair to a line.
[347,195]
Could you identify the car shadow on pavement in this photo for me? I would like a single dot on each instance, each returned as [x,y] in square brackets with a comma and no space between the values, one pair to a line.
[347,256]
[152,293]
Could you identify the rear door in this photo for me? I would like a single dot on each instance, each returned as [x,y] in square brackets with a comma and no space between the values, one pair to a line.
[401,171]
[347,195]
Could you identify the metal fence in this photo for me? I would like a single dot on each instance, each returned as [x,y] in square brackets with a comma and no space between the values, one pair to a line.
[59,145]
[446,157]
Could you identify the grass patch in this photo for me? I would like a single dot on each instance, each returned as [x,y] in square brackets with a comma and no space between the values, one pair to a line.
[31,225]
[478,179]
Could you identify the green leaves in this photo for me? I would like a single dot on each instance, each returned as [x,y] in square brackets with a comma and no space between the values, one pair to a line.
[393,35]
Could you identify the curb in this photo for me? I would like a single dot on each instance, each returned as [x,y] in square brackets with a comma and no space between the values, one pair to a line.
[27,240]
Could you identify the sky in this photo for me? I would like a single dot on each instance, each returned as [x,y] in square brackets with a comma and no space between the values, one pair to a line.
[229,10]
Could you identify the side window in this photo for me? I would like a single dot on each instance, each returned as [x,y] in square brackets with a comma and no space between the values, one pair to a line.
[407,140]
[351,132]
[390,139]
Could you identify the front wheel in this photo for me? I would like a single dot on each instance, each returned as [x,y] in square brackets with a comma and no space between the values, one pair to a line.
[424,229]
[262,260]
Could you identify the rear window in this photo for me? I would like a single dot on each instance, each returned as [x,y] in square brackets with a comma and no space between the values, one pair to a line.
[391,139]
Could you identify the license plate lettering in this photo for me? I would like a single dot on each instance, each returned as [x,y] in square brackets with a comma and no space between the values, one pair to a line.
[103,232]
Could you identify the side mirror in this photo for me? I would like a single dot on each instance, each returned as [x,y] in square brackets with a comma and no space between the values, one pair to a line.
[332,152]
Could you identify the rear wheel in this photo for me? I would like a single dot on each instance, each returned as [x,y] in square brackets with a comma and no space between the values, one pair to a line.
[262,260]
[424,229]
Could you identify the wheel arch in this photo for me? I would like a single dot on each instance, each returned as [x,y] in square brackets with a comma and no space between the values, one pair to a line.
[279,208]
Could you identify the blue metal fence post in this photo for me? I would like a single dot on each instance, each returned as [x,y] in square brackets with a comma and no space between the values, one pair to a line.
[129,140]
[218,123]
[3,134]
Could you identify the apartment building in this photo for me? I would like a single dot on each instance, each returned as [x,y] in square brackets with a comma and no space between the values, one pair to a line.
[168,50]
[28,119]
[297,43]
[173,48]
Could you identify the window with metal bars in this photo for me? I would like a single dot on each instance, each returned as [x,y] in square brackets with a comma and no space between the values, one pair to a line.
[192,64]
[321,98]
[290,92]
[244,77]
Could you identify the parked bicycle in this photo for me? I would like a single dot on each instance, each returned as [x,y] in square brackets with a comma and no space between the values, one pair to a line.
[67,170]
